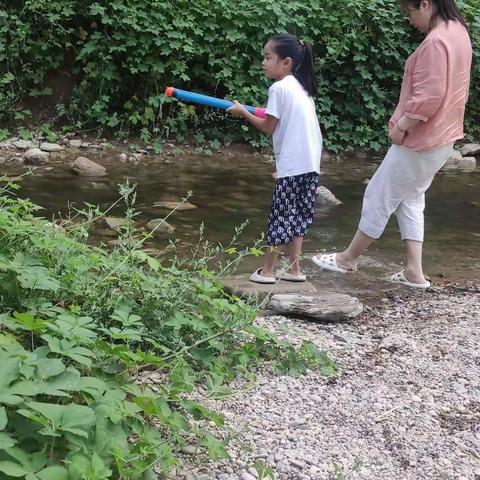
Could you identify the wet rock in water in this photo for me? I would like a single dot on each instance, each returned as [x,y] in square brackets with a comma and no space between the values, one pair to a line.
[326,306]
[114,222]
[470,149]
[75,143]
[35,156]
[454,159]
[160,226]
[84,166]
[123,157]
[22,144]
[468,163]
[175,206]
[239,149]
[51,147]
[325,198]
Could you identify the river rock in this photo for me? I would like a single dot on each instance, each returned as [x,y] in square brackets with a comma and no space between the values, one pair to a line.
[84,166]
[123,157]
[470,149]
[51,147]
[454,158]
[35,156]
[325,306]
[241,286]
[75,143]
[468,163]
[114,223]
[160,226]
[325,198]
[175,206]
[22,144]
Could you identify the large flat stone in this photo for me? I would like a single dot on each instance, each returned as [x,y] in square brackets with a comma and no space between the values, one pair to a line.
[241,286]
[325,306]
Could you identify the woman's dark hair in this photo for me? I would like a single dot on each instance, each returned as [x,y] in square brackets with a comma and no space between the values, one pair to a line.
[301,53]
[446,10]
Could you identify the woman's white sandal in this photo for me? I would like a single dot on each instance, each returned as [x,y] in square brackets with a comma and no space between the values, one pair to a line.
[400,278]
[328,261]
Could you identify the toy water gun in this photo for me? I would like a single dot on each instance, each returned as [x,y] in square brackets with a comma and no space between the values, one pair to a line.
[209,101]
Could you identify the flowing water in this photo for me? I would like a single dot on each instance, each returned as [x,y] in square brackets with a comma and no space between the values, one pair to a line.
[230,190]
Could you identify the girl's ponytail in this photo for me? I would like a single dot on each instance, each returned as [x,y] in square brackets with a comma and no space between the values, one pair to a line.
[301,53]
[305,70]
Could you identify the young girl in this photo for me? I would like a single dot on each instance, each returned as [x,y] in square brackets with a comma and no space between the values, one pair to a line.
[427,121]
[297,144]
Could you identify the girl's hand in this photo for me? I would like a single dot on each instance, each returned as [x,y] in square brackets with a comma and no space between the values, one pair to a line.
[237,109]
[396,135]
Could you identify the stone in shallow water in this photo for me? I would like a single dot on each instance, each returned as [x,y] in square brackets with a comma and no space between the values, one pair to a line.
[325,306]
[175,206]
[160,227]
[325,198]
[84,166]
[470,149]
[35,156]
[241,286]
[51,147]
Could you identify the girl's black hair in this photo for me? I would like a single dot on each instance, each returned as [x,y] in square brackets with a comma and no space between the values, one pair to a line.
[446,10]
[301,53]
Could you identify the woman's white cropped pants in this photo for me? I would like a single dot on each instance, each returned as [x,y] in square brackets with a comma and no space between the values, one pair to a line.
[399,187]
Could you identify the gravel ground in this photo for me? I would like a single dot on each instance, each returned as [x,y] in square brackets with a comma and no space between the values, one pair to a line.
[405,404]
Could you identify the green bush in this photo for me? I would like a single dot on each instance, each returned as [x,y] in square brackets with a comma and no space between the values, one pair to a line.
[82,329]
[121,55]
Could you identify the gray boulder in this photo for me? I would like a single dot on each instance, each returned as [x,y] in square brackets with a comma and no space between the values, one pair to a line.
[325,306]
[35,156]
[468,163]
[160,226]
[85,167]
[325,198]
[470,149]
[51,147]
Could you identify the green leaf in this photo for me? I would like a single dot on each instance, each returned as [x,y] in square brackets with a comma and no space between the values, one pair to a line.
[53,473]
[6,441]
[12,469]
[3,418]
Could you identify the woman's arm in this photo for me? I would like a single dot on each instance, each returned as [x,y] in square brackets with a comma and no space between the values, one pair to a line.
[401,129]
[266,125]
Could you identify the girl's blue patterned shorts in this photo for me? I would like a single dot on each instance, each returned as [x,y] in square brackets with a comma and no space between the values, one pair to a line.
[293,206]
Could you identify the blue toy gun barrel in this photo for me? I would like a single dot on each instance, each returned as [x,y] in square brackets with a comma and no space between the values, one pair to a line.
[209,101]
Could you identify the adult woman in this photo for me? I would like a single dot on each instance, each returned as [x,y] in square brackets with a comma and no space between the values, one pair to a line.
[427,121]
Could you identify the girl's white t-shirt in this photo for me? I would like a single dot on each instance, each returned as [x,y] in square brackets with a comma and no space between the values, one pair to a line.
[297,139]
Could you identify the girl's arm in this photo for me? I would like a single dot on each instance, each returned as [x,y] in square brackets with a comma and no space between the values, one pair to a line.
[266,125]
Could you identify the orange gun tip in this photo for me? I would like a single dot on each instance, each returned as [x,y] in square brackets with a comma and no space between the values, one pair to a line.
[169,91]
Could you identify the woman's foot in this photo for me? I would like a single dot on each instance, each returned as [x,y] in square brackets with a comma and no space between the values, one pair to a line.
[336,262]
[415,277]
[401,277]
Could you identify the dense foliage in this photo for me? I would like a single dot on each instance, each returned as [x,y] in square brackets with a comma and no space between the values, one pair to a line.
[119,55]
[80,327]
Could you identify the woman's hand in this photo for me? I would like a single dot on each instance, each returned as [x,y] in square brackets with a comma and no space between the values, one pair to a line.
[237,109]
[396,135]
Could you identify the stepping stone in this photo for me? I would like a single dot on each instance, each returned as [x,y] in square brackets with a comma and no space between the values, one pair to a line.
[325,306]
[241,286]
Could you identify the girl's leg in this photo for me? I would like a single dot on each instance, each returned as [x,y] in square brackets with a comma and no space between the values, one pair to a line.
[270,262]
[295,251]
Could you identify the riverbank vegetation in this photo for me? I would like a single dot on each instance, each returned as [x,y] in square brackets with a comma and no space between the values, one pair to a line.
[102,66]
